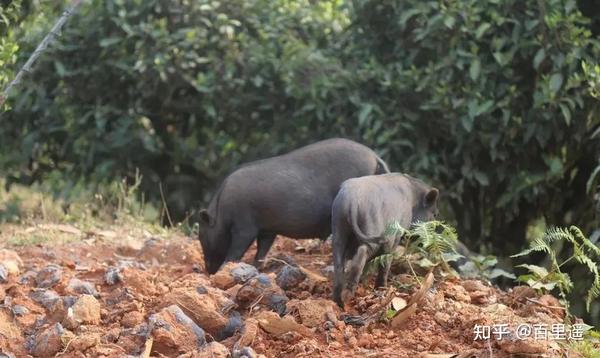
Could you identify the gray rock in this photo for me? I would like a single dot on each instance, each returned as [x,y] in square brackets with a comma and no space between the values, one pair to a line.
[112,275]
[27,277]
[157,320]
[289,277]
[264,290]
[19,310]
[3,273]
[242,272]
[46,343]
[49,276]
[246,352]
[234,325]
[278,303]
[264,280]
[82,287]
[44,297]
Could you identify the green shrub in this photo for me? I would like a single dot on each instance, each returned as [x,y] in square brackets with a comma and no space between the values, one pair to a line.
[488,100]
[584,252]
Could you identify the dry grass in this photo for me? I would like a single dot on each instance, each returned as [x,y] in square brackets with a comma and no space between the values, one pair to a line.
[32,216]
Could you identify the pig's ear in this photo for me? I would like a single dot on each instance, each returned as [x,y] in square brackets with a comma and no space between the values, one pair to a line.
[431,197]
[206,218]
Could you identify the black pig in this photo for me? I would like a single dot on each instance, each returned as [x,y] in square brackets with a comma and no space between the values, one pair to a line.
[290,195]
[361,212]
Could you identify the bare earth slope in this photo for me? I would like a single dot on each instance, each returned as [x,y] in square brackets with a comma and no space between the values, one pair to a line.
[116,294]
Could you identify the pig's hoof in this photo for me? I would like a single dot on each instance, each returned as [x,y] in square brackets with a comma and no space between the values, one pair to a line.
[348,294]
[339,302]
[259,264]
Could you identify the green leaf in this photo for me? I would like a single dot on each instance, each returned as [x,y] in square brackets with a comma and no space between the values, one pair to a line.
[548,286]
[539,57]
[475,68]
[467,123]
[499,57]
[109,41]
[484,107]
[452,256]
[537,270]
[390,313]
[210,109]
[501,273]
[364,113]
[590,183]
[555,165]
[449,21]
[481,177]
[60,68]
[556,81]
[406,15]
[481,30]
[566,112]
[425,263]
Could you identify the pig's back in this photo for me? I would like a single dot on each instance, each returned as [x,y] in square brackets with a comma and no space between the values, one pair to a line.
[371,203]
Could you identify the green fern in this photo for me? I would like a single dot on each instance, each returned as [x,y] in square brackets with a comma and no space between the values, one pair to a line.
[434,240]
[543,243]
[437,242]
[585,252]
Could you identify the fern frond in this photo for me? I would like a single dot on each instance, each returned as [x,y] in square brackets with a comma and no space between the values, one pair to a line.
[591,265]
[593,292]
[384,259]
[565,284]
[537,245]
[436,235]
[589,246]
[437,241]
[394,229]
[584,252]
[558,234]
[423,231]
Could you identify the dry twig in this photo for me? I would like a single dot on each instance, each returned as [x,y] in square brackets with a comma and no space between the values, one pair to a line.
[54,32]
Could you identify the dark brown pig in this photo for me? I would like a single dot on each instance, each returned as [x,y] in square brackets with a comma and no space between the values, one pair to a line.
[290,195]
[362,210]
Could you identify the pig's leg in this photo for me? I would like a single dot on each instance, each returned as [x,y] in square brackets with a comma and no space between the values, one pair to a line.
[264,241]
[384,269]
[339,244]
[358,264]
[241,239]
[382,275]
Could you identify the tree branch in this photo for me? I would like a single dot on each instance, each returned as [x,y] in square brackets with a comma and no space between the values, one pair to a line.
[40,49]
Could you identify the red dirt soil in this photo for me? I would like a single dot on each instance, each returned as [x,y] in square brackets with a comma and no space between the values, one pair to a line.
[148,297]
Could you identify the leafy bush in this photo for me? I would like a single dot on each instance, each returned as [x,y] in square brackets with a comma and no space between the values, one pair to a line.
[486,98]
[489,100]
[182,91]
[8,49]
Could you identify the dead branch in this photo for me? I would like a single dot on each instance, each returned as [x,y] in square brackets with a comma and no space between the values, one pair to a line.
[54,32]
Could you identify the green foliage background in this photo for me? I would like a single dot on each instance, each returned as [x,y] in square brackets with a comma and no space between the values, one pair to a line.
[487,100]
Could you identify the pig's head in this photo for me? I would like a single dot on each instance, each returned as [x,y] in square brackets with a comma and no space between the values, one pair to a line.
[425,205]
[213,248]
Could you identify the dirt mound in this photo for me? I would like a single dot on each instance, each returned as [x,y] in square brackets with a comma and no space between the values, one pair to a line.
[151,297]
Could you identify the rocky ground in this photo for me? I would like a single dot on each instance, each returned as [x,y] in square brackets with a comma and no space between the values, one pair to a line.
[110,294]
